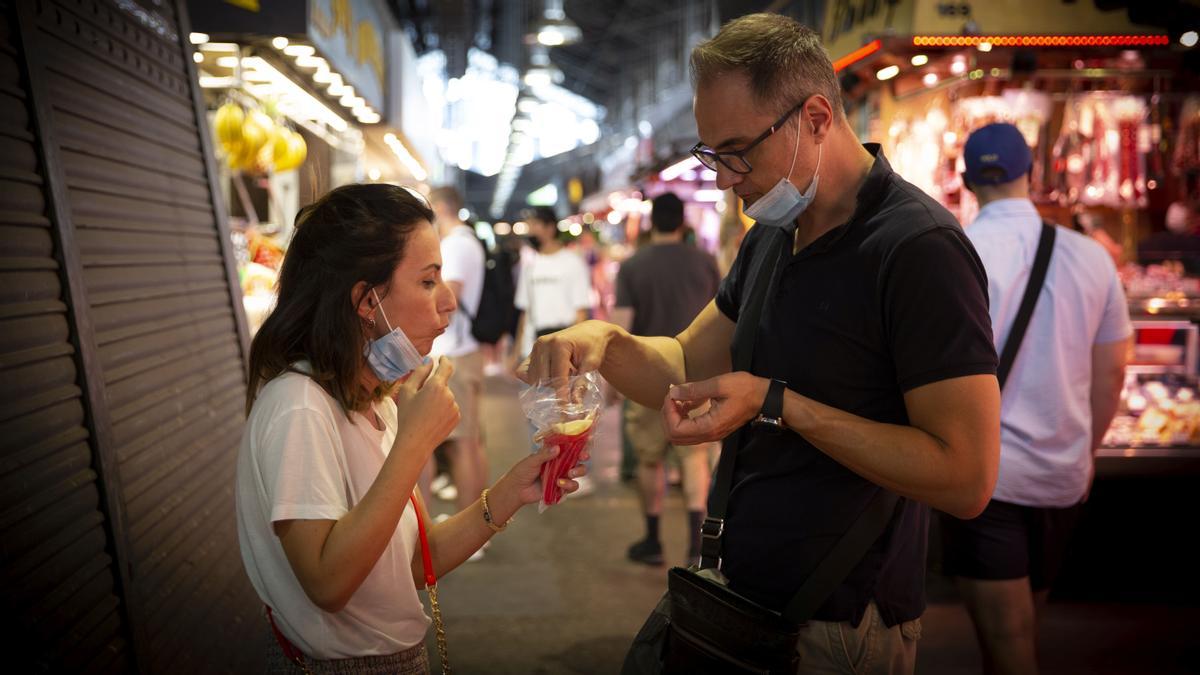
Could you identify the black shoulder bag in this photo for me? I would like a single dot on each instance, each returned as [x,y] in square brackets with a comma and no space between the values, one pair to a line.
[701,625]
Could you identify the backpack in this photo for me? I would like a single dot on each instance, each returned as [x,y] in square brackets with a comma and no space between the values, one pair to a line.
[497,307]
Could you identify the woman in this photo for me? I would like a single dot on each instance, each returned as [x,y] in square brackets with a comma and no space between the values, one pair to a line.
[343,413]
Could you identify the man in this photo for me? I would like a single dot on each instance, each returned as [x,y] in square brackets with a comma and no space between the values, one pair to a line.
[878,325]
[1058,401]
[462,270]
[553,292]
[659,290]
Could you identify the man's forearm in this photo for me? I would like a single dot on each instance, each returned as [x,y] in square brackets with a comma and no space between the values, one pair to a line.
[904,459]
[1106,397]
[643,368]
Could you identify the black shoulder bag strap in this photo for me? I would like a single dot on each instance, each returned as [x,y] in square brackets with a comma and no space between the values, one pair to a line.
[1033,289]
[857,540]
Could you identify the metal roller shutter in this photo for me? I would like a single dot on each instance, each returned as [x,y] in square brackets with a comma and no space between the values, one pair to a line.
[164,346]
[59,575]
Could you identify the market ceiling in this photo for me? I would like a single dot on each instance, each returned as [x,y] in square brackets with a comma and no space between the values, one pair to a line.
[616,35]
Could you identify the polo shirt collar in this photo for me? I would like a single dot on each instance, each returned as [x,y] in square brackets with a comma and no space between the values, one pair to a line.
[869,195]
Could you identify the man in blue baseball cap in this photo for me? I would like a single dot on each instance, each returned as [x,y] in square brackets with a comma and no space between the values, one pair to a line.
[1064,378]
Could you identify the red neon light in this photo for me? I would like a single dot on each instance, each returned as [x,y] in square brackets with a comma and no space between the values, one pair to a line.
[1041,41]
[857,55]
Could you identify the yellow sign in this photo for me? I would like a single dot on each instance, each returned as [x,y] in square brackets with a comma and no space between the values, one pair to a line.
[350,28]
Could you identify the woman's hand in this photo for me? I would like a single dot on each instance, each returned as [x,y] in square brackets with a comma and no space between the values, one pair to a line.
[523,480]
[426,412]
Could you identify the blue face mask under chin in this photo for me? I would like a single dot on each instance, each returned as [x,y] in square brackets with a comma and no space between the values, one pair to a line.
[783,204]
[394,355]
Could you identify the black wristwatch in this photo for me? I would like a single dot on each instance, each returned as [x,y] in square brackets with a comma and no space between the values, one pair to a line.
[770,418]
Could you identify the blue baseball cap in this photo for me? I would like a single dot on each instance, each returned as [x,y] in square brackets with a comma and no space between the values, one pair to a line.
[996,146]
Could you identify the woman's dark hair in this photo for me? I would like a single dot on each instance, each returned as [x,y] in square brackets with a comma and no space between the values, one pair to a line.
[354,233]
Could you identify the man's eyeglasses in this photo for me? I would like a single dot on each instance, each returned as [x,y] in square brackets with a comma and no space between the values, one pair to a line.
[735,160]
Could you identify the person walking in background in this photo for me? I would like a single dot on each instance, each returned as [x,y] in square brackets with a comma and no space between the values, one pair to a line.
[553,290]
[659,290]
[1059,398]
[554,287]
[462,270]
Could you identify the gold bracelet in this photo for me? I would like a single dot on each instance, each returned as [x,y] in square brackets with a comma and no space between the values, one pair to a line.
[487,514]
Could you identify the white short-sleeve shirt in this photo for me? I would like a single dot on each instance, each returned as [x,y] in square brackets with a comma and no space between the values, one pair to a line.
[463,260]
[302,458]
[1045,410]
[552,288]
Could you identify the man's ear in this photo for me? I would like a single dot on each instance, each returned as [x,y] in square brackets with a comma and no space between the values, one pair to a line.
[364,300]
[819,113]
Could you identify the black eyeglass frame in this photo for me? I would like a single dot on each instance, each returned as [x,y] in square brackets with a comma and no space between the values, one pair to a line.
[701,152]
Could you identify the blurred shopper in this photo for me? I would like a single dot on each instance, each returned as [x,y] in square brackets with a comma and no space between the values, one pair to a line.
[659,291]
[343,413]
[871,385]
[462,271]
[554,287]
[1058,399]
[553,290]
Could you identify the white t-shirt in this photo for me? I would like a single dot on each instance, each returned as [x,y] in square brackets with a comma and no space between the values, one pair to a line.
[463,259]
[302,458]
[552,288]
[1045,412]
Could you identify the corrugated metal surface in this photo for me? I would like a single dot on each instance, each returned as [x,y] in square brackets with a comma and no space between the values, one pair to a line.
[153,264]
[58,575]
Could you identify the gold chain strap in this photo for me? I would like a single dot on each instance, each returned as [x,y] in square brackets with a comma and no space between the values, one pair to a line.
[439,628]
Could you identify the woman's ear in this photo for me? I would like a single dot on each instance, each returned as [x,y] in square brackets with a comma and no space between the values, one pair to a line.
[364,300]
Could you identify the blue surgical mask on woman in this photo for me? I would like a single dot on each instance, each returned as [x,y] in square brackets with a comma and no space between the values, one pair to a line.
[783,204]
[394,355]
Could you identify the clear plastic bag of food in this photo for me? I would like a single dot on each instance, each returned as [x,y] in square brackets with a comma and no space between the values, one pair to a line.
[563,413]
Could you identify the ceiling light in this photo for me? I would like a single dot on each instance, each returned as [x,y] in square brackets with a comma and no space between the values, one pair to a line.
[299,50]
[527,105]
[887,73]
[220,47]
[198,57]
[984,46]
[336,90]
[920,60]
[198,38]
[406,158]
[930,79]
[958,67]
[310,62]
[370,117]
[322,76]
[555,28]
[227,62]
[294,100]
[1189,38]
[279,42]
[374,174]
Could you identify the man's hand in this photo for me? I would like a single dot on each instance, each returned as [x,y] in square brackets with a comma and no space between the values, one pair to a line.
[578,349]
[733,400]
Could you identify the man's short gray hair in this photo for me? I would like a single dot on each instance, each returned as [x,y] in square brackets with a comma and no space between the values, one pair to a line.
[783,58]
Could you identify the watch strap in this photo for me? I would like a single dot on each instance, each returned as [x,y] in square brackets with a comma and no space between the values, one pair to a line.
[773,403]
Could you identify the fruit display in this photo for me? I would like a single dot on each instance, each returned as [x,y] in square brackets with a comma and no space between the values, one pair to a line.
[1157,410]
[255,141]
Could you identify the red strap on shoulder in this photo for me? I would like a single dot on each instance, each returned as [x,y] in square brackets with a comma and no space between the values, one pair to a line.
[426,559]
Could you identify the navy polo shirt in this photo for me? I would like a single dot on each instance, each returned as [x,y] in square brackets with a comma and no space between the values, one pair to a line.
[893,299]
